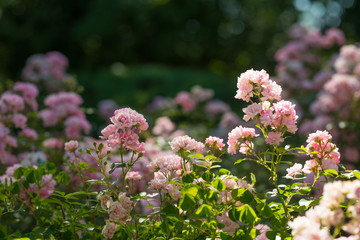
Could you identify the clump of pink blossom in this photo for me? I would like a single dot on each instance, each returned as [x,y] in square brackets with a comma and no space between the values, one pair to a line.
[184,99]
[123,132]
[324,154]
[240,138]
[338,208]
[71,146]
[215,142]
[163,126]
[186,143]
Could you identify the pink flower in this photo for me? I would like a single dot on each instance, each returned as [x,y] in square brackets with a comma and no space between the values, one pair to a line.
[243,134]
[219,142]
[163,125]
[158,182]
[48,117]
[47,186]
[29,133]
[57,64]
[105,201]
[118,213]
[71,146]
[74,125]
[109,229]
[215,107]
[201,94]
[184,99]
[272,91]
[126,118]
[36,68]
[285,116]
[229,226]
[165,163]
[311,166]
[263,230]
[52,143]
[274,138]
[186,143]
[251,111]
[125,201]
[334,36]
[106,108]
[292,171]
[109,130]
[245,86]
[10,102]
[19,120]
[29,92]
[133,176]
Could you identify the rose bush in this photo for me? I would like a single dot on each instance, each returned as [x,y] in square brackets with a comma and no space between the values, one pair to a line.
[162,183]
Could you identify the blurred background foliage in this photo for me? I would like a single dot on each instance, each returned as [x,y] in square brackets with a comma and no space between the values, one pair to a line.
[133,50]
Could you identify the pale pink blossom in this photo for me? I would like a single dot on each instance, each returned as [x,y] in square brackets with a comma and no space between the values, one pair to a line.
[47,186]
[216,107]
[36,68]
[106,108]
[169,162]
[274,138]
[52,143]
[158,182]
[29,92]
[163,125]
[10,102]
[244,135]
[19,120]
[245,86]
[285,116]
[109,130]
[263,230]
[75,126]
[118,213]
[48,117]
[29,133]
[229,226]
[184,99]
[133,176]
[71,146]
[219,142]
[186,143]
[292,171]
[311,166]
[105,201]
[109,229]
[271,91]
[200,94]
[126,118]
[251,111]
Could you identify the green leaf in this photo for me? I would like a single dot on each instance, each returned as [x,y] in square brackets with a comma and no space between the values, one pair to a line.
[187,202]
[218,184]
[243,195]
[100,147]
[245,214]
[330,172]
[199,155]
[208,176]
[170,210]
[253,179]
[188,178]
[30,176]
[19,172]
[204,211]
[16,187]
[223,171]
[355,172]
